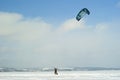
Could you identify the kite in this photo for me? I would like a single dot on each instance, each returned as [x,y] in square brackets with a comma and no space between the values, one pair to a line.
[82,13]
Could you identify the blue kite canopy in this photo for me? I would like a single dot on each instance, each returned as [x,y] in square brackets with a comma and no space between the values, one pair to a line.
[82,13]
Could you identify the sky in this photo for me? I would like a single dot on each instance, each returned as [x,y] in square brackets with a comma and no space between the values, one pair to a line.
[45,33]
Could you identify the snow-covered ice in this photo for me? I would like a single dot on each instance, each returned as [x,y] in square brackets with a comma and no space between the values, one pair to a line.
[63,75]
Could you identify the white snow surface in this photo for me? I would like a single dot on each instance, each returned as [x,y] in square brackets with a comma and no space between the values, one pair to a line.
[63,75]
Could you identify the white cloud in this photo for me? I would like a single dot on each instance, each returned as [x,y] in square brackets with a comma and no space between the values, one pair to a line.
[101,27]
[9,18]
[72,24]
[36,43]
[15,26]
[6,22]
